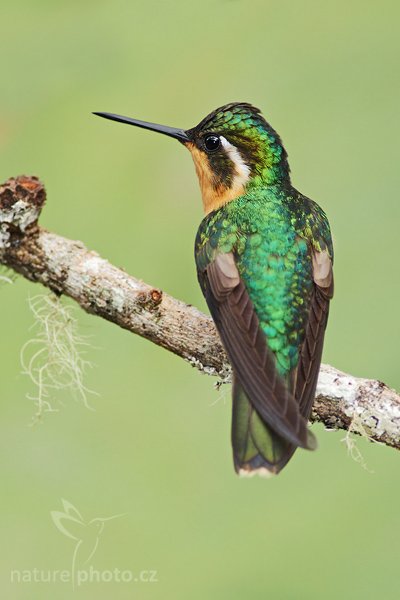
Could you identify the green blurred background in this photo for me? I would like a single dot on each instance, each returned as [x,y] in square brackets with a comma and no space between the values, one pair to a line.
[157,446]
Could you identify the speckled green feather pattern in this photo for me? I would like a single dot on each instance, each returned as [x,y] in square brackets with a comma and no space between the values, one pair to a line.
[270,230]
[248,131]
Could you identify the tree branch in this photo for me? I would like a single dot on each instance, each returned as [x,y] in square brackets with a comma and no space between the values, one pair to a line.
[67,267]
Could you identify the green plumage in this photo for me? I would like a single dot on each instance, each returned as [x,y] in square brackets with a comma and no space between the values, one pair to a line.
[270,231]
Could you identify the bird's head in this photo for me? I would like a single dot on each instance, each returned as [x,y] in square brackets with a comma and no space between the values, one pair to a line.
[233,148]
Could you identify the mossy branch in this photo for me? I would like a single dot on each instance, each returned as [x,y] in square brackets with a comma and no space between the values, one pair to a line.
[67,267]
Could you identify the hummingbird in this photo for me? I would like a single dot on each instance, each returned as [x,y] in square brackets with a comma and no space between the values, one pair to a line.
[264,259]
[85,533]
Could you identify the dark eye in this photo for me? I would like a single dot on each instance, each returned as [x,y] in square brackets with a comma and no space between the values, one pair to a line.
[212,142]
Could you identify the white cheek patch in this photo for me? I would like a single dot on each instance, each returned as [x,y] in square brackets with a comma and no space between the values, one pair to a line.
[242,170]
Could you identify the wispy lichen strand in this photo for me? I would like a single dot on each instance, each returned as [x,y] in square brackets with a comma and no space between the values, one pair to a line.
[54,357]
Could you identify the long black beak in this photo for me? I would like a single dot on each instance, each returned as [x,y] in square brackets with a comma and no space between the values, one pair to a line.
[178,134]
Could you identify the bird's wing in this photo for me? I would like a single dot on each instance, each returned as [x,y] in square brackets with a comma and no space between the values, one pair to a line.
[311,348]
[247,349]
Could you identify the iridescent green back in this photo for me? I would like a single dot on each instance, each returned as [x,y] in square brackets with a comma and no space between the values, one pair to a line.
[270,232]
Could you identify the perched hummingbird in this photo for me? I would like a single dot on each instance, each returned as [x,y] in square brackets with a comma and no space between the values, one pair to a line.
[264,262]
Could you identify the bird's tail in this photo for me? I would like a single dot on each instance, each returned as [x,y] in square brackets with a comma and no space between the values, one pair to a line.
[256,447]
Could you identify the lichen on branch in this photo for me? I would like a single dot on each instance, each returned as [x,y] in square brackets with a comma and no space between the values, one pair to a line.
[54,357]
[67,267]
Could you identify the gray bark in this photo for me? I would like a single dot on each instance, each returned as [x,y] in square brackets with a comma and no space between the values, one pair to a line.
[67,267]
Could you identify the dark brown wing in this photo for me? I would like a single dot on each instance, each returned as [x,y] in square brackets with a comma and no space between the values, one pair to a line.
[246,346]
[305,377]
[311,350]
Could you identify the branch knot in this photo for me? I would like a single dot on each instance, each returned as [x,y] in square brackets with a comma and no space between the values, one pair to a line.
[21,201]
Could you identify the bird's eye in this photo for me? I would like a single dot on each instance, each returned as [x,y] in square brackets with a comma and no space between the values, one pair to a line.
[212,142]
